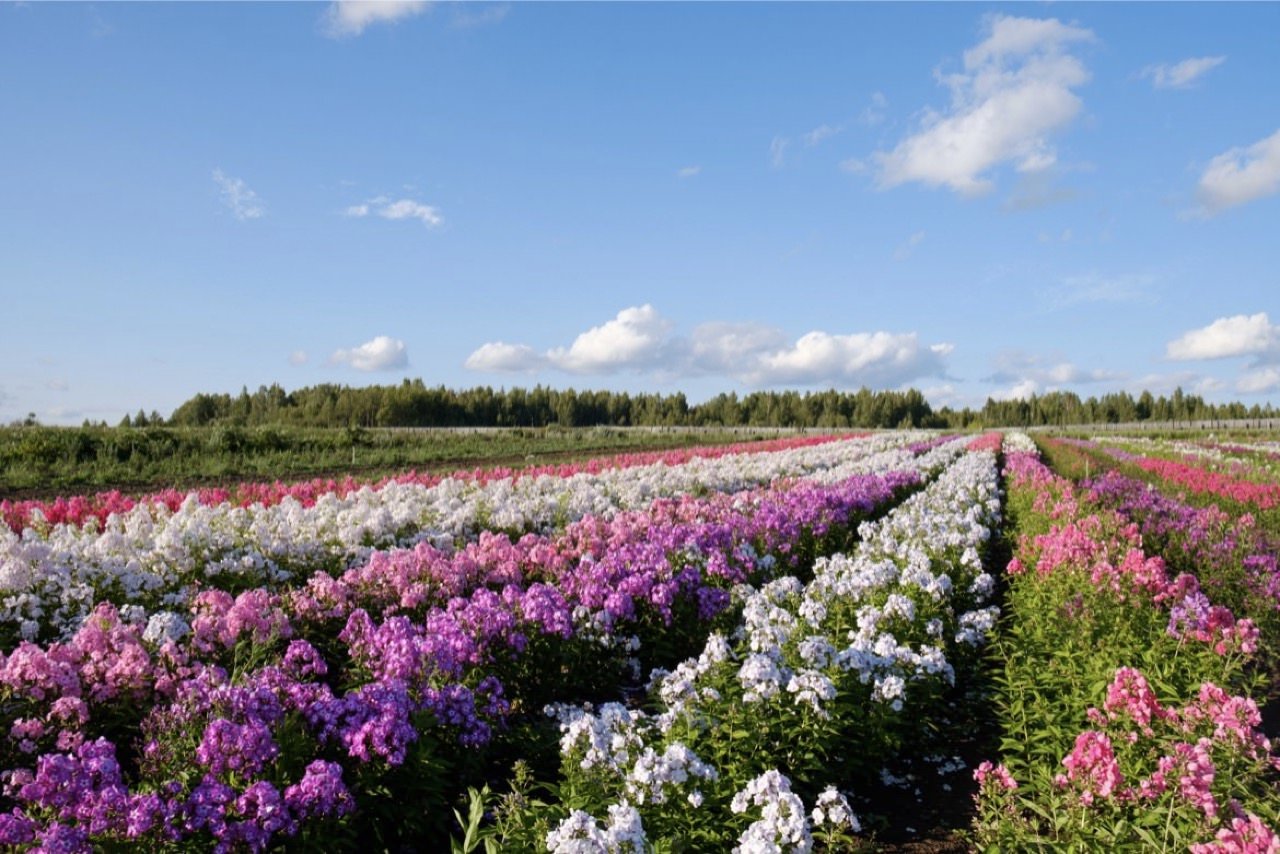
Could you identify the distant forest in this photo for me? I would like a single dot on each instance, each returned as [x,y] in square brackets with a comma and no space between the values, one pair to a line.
[413,404]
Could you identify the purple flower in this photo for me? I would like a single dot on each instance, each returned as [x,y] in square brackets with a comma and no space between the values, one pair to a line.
[244,749]
[320,792]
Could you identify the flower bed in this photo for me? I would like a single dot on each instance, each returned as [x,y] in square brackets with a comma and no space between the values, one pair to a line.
[808,696]
[355,706]
[1121,728]
[150,559]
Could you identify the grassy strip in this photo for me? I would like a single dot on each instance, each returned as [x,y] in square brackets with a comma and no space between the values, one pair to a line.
[38,462]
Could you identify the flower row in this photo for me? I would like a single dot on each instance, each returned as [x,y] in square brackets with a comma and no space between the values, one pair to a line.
[260,716]
[1164,756]
[153,559]
[80,509]
[815,688]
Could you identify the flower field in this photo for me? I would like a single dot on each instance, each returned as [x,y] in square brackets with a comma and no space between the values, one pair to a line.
[767,647]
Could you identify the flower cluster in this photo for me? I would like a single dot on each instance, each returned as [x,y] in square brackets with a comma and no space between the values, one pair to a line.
[156,556]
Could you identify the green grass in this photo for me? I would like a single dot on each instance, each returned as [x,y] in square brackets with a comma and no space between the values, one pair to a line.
[47,461]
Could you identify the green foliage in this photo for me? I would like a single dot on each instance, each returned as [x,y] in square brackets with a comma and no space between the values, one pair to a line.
[53,460]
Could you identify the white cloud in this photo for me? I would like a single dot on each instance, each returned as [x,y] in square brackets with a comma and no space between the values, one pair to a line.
[640,340]
[1240,175]
[401,209]
[409,209]
[351,17]
[778,151]
[874,114]
[1016,90]
[724,348]
[57,385]
[1238,335]
[1019,391]
[1259,380]
[1026,373]
[1096,287]
[819,134]
[380,354]
[689,171]
[487,15]
[237,196]
[500,356]
[298,357]
[1182,74]
[904,250]
[636,338]
[862,358]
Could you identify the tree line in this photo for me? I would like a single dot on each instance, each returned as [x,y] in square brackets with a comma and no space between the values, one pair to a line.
[414,404]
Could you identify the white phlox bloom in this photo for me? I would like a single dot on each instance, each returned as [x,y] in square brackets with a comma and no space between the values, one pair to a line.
[761,677]
[653,774]
[783,825]
[833,810]
[606,739]
[163,626]
[812,688]
[1018,442]
[577,834]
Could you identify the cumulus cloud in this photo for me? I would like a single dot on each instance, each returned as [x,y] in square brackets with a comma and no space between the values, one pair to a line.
[500,356]
[398,209]
[382,353]
[724,348]
[640,340]
[1238,335]
[862,358]
[298,357]
[1022,390]
[345,18]
[1027,373]
[688,171]
[1259,380]
[1240,175]
[1182,74]
[236,195]
[1015,92]
[636,338]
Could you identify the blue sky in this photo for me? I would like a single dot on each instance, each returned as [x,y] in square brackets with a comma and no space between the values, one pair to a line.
[974,200]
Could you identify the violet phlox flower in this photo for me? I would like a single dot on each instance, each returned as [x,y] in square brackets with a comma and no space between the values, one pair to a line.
[233,748]
[373,722]
[455,706]
[221,621]
[301,660]
[320,793]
